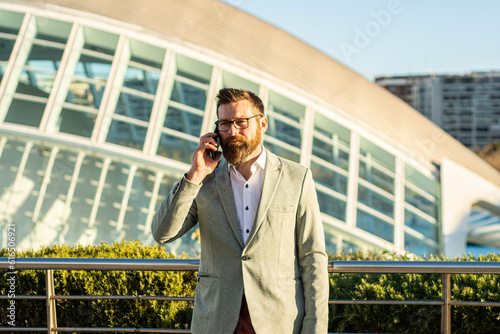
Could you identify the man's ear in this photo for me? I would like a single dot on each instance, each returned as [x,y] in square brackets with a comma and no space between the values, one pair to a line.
[263,123]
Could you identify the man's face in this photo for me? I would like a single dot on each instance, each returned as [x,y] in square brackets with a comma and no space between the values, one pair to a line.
[240,145]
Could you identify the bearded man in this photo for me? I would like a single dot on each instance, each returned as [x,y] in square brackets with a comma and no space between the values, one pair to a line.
[263,266]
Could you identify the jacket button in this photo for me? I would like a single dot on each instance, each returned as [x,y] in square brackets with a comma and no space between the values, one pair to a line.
[244,258]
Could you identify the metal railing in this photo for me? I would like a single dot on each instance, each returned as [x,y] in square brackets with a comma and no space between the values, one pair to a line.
[446,268]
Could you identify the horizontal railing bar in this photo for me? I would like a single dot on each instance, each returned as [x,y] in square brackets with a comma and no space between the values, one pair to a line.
[385,302]
[23,297]
[401,267]
[415,267]
[23,329]
[470,303]
[126,297]
[118,329]
[102,264]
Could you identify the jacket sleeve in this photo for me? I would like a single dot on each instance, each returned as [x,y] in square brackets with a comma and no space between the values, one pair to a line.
[178,213]
[312,258]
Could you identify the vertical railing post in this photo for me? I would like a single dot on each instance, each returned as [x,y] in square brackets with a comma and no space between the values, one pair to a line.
[51,303]
[446,308]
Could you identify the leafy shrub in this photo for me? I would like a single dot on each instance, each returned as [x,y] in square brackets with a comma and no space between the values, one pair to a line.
[412,318]
[177,314]
[103,313]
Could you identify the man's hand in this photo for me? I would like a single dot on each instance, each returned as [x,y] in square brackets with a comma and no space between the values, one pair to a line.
[202,164]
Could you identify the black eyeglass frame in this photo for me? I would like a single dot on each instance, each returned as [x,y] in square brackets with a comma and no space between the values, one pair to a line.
[233,122]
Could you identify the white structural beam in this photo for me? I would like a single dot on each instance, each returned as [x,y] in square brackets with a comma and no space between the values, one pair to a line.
[112,90]
[399,204]
[160,105]
[126,197]
[45,183]
[152,203]
[63,78]
[307,137]
[352,181]
[18,57]
[72,186]
[98,193]
[210,105]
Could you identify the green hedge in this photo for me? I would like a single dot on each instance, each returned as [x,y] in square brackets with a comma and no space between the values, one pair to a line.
[177,314]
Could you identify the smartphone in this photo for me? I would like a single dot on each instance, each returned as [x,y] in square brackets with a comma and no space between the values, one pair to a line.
[213,154]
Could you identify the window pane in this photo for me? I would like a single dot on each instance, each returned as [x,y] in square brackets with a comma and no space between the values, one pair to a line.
[52,30]
[141,80]
[417,246]
[376,177]
[284,132]
[93,68]
[329,128]
[36,83]
[134,107]
[376,201]
[421,225]
[281,151]
[189,95]
[76,122]
[330,153]
[176,148]
[6,46]
[332,206]
[126,134]
[183,121]
[420,202]
[376,226]
[327,177]
[10,22]
[25,112]
[44,57]
[85,94]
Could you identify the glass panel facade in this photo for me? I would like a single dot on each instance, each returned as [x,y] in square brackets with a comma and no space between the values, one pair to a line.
[183,121]
[331,205]
[25,112]
[418,246]
[127,134]
[76,122]
[177,148]
[421,225]
[285,122]
[327,177]
[89,80]
[376,226]
[376,176]
[376,201]
[420,202]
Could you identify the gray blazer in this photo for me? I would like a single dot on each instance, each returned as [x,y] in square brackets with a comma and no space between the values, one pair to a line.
[282,270]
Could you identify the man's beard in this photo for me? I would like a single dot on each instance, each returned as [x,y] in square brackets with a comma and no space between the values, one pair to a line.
[238,151]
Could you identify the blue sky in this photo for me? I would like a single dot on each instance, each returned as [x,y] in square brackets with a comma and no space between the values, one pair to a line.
[392,37]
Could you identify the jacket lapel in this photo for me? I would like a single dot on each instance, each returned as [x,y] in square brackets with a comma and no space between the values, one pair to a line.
[272,177]
[223,182]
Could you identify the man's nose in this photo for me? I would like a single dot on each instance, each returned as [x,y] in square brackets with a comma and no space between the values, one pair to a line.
[232,129]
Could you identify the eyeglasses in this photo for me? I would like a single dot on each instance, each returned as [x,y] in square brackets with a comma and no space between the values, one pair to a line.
[240,123]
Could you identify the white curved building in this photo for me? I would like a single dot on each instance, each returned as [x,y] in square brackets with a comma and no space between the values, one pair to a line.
[103,102]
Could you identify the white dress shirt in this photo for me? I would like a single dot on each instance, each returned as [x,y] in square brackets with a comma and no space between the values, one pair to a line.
[247,193]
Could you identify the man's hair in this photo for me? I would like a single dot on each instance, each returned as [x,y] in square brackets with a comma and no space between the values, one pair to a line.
[229,95]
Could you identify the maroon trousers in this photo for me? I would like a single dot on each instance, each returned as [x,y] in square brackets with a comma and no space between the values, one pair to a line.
[244,322]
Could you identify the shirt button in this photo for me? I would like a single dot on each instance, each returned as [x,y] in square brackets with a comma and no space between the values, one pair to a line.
[248,231]
[246,208]
[246,185]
